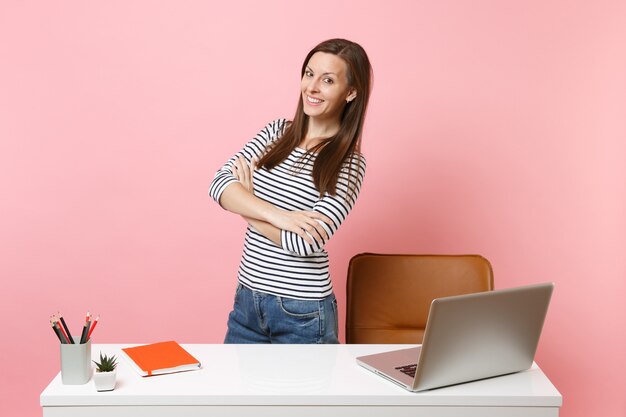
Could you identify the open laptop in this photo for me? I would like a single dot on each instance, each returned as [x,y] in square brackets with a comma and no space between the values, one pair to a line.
[470,337]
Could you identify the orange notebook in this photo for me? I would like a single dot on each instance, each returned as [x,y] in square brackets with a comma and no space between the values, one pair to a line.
[160,358]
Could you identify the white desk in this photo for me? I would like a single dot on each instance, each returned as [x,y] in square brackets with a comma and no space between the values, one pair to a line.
[293,380]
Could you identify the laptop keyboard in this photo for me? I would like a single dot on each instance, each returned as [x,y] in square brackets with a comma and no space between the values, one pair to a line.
[408,369]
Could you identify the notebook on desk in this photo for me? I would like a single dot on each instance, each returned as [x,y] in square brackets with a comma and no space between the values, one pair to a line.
[470,337]
[160,358]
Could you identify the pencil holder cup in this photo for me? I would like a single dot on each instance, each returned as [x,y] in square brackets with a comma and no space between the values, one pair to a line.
[76,363]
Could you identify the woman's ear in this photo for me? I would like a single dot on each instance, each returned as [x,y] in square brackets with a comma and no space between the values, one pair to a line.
[351,95]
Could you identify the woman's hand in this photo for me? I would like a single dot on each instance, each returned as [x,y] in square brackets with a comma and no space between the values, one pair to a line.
[244,172]
[306,224]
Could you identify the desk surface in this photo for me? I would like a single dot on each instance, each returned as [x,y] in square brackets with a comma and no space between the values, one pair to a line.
[278,379]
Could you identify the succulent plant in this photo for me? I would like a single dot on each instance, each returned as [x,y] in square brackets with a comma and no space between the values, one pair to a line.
[107,363]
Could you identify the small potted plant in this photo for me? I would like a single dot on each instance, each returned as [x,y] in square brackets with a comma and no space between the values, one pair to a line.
[104,378]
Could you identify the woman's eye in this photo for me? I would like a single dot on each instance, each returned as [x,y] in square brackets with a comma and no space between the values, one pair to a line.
[329,80]
[308,73]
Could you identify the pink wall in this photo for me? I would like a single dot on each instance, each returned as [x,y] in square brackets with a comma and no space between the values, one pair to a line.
[495,128]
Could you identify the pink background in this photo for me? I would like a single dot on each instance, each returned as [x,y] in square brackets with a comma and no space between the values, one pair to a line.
[495,127]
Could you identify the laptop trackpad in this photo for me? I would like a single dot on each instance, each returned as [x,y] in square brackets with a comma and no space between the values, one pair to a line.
[390,362]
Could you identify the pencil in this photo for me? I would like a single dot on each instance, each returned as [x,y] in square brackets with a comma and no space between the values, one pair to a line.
[83,336]
[67,331]
[57,330]
[70,341]
[93,327]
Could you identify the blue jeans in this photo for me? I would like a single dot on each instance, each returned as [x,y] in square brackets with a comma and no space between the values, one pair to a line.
[264,318]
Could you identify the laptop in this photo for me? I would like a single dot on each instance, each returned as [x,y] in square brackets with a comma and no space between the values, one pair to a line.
[470,337]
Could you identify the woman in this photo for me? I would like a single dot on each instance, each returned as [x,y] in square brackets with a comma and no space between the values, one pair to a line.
[294,184]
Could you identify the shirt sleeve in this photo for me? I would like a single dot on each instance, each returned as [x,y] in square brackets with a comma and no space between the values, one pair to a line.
[335,207]
[254,148]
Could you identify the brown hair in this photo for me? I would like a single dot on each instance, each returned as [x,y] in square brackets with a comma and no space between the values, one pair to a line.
[345,145]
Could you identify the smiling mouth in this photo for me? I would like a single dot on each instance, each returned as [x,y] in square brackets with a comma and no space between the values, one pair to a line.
[313,100]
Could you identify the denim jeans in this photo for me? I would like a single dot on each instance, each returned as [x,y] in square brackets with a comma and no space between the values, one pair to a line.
[264,318]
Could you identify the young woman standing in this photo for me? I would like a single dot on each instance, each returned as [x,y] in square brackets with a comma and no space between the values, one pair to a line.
[295,183]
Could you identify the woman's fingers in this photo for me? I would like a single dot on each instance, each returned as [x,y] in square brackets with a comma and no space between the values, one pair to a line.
[318,232]
[316,224]
[243,173]
[242,166]
[319,216]
[307,238]
[309,226]
[234,170]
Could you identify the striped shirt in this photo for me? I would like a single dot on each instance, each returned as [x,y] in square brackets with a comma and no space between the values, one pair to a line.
[295,269]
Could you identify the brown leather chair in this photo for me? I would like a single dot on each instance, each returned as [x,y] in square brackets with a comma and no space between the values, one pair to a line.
[389,296]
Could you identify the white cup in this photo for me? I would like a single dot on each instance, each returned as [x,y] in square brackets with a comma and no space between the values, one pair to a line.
[76,363]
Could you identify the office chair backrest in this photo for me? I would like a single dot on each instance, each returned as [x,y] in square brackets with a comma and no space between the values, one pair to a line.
[389,296]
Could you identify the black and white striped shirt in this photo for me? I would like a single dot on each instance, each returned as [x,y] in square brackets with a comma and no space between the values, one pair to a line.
[295,269]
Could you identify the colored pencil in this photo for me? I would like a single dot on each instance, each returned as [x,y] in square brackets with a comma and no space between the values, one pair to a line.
[70,341]
[93,327]
[57,330]
[83,336]
[67,331]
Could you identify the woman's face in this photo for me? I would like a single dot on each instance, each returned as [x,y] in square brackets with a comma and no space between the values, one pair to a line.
[325,87]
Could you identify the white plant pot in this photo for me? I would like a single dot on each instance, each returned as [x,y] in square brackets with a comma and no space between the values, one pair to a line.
[104,381]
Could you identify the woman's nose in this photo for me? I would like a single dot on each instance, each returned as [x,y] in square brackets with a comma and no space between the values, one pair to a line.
[313,85]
